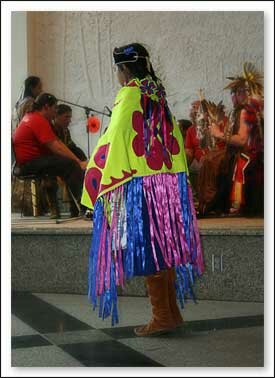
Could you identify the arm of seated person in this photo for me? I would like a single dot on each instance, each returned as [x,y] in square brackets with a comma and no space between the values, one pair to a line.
[59,148]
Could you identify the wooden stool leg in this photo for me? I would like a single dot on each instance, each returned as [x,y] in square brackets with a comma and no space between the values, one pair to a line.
[23,198]
[34,194]
[13,185]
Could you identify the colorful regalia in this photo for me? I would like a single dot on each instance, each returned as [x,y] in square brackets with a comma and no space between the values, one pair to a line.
[248,161]
[137,184]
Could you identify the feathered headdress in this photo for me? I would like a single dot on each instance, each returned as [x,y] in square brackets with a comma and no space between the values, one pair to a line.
[214,111]
[250,79]
[202,101]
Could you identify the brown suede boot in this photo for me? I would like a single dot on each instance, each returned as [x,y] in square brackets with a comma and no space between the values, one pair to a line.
[178,319]
[162,320]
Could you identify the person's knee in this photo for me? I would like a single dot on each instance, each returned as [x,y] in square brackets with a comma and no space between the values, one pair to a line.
[73,173]
[70,166]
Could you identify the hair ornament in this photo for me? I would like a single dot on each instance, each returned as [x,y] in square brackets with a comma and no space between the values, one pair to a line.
[128,50]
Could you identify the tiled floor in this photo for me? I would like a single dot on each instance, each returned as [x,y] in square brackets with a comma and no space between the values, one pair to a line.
[55,330]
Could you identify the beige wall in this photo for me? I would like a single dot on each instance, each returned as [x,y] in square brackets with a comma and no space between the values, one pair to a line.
[71,51]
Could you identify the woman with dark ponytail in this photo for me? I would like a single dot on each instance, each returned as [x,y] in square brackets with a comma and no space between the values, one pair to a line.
[137,184]
[44,100]
[32,88]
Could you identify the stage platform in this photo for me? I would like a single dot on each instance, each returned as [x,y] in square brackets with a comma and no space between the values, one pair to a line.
[205,224]
[52,257]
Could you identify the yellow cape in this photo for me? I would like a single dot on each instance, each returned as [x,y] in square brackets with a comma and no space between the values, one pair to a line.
[134,143]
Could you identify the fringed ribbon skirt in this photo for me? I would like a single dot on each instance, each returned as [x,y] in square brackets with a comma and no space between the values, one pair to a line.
[144,226]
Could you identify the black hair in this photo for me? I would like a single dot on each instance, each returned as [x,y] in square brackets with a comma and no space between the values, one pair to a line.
[42,100]
[62,108]
[30,83]
[184,123]
[136,58]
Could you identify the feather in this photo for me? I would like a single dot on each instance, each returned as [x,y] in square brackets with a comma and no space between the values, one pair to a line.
[251,79]
[215,112]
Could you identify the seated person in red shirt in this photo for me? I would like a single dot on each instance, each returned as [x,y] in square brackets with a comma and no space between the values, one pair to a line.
[38,151]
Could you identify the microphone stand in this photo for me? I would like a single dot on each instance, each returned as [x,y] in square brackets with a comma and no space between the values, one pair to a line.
[88,110]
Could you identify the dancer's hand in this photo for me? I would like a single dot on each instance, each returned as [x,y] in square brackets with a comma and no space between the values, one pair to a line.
[83,164]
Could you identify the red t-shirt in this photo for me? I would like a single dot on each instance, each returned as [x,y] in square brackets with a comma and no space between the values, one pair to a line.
[30,137]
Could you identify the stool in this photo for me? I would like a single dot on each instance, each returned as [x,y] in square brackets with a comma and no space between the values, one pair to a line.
[34,179]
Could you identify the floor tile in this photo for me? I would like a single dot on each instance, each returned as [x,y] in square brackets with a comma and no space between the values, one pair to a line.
[120,332]
[214,334]
[77,337]
[19,328]
[242,347]
[137,310]
[28,341]
[132,310]
[223,323]
[42,316]
[107,354]
[194,326]
[43,356]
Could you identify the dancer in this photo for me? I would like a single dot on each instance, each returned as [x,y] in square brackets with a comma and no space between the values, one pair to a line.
[208,178]
[244,160]
[137,184]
